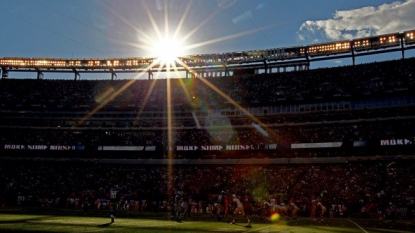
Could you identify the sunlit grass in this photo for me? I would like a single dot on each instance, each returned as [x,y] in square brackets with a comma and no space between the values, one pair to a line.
[197,223]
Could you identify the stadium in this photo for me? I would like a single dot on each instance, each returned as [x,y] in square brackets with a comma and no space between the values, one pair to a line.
[258,123]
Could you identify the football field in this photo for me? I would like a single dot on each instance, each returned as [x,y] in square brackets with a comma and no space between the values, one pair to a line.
[156,223]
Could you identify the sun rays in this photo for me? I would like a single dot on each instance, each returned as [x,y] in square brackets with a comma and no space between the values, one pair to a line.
[167,44]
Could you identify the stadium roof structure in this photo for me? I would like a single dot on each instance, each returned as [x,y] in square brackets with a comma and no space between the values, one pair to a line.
[298,57]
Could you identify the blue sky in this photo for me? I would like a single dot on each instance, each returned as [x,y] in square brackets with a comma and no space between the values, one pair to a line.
[128,28]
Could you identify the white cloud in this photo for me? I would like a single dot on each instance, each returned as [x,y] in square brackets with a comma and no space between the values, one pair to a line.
[367,21]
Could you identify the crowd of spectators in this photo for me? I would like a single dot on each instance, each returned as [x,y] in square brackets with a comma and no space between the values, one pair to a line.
[366,81]
[371,131]
[365,189]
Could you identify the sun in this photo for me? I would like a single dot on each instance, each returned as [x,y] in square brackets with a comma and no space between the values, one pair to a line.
[167,50]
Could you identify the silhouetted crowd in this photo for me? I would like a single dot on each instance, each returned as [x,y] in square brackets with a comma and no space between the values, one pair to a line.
[364,189]
[379,80]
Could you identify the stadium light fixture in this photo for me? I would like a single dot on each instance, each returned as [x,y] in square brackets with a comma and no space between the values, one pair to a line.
[409,37]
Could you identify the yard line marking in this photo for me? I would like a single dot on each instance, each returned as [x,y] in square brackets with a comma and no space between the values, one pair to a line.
[361,228]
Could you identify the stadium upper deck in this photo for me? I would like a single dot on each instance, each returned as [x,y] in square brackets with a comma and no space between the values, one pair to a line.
[347,111]
[220,64]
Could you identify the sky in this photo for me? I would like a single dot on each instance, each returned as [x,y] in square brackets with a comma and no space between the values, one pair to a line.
[134,28]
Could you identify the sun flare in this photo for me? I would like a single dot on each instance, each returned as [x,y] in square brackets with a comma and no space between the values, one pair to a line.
[167,50]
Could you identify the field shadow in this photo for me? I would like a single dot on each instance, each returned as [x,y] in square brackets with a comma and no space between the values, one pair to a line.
[105,224]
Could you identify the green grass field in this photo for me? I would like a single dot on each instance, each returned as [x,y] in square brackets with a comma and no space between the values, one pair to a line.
[22,221]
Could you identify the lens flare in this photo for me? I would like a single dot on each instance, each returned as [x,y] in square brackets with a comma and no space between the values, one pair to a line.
[275,217]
